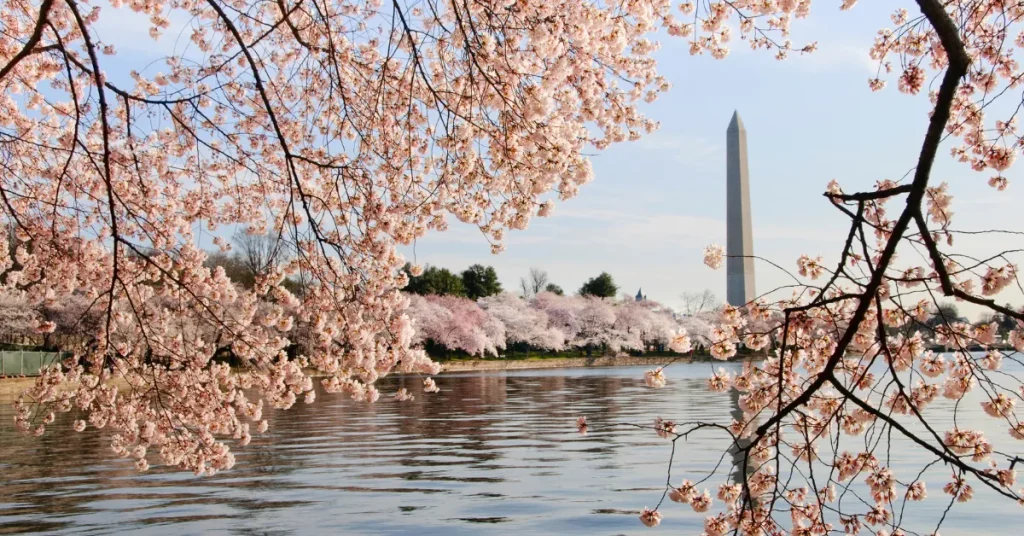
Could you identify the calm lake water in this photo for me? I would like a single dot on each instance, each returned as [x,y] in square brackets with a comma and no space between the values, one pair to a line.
[494,452]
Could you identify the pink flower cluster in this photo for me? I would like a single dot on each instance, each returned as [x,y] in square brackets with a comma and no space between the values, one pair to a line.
[548,322]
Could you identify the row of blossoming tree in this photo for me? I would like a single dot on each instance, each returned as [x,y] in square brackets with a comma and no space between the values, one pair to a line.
[551,322]
[345,128]
[484,327]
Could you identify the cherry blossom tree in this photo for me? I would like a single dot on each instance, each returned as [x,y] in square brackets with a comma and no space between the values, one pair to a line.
[810,450]
[643,324]
[596,321]
[18,321]
[699,326]
[455,323]
[561,311]
[341,128]
[548,322]
[49,324]
[523,323]
[349,128]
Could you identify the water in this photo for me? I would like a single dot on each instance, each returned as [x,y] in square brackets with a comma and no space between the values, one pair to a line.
[494,453]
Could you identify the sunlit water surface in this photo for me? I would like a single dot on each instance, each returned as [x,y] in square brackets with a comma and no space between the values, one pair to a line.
[493,452]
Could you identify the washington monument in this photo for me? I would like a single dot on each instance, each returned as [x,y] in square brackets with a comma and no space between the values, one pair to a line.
[739,244]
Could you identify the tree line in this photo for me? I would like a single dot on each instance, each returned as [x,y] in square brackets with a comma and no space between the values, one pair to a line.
[480,281]
[504,323]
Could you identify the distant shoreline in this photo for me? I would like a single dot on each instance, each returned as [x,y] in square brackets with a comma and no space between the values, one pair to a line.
[473,365]
[10,388]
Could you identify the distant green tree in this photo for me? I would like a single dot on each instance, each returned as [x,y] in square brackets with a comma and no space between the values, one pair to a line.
[479,282]
[554,289]
[602,286]
[233,267]
[434,280]
[1006,323]
[945,313]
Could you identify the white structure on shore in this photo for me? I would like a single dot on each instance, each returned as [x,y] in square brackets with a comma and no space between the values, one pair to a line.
[739,246]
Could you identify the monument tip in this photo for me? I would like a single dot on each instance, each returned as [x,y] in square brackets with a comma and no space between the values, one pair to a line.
[736,123]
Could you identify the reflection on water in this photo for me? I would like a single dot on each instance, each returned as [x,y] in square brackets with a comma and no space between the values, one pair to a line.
[493,452]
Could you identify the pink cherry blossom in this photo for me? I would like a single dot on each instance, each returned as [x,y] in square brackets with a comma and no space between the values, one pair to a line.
[523,323]
[702,502]
[714,255]
[684,493]
[654,378]
[720,381]
[664,429]
[917,491]
[959,489]
[318,136]
[650,518]
[809,267]
[680,342]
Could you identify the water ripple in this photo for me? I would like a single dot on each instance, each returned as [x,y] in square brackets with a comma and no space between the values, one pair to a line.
[493,452]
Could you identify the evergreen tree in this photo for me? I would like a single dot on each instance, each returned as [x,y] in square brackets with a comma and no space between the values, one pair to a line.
[479,282]
[602,286]
[434,281]
[554,289]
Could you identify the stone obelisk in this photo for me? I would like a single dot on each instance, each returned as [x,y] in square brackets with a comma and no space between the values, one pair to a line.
[739,245]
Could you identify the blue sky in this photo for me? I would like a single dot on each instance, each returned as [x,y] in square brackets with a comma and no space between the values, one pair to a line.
[657,202]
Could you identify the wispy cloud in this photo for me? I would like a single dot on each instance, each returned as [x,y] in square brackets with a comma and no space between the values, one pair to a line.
[128,31]
[988,201]
[636,229]
[832,56]
[696,152]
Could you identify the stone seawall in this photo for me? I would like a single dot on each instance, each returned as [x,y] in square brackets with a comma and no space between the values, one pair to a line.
[555,363]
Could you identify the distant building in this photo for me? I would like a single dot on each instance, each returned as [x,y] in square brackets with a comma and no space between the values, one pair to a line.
[640,295]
